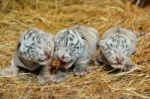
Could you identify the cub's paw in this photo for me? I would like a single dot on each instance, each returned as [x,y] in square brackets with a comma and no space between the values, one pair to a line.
[92,68]
[43,79]
[6,73]
[57,78]
[79,71]
[130,67]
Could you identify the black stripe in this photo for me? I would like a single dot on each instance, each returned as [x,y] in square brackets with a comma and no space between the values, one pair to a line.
[19,44]
[73,36]
[36,71]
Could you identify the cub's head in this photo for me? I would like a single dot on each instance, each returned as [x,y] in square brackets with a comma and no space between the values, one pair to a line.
[68,47]
[116,53]
[36,46]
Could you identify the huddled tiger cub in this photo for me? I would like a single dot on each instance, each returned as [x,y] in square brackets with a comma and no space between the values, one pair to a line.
[33,54]
[74,47]
[116,46]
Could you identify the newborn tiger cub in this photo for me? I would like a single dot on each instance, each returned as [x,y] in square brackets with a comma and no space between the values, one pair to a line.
[74,48]
[33,54]
[116,46]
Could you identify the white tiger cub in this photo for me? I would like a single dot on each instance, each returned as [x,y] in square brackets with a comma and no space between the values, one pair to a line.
[116,46]
[33,54]
[74,47]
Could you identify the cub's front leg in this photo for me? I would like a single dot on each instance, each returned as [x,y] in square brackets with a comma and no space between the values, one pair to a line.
[130,66]
[9,71]
[81,65]
[59,76]
[44,75]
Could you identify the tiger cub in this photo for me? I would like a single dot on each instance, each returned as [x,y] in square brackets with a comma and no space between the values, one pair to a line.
[116,46]
[33,54]
[74,48]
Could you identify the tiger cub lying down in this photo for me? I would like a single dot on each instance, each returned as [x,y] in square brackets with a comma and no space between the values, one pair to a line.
[74,48]
[116,46]
[33,54]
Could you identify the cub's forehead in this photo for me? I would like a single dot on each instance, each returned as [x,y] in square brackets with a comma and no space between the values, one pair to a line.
[117,39]
[30,34]
[66,33]
[27,38]
[69,37]
[35,34]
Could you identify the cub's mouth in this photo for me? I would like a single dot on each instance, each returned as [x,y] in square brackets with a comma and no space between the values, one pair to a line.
[65,65]
[45,60]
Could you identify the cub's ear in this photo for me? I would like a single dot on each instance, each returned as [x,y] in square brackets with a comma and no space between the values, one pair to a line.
[102,44]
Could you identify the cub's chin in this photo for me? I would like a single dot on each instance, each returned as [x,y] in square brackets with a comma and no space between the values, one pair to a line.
[117,66]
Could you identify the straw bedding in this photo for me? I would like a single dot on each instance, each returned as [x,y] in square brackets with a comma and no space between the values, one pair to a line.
[53,15]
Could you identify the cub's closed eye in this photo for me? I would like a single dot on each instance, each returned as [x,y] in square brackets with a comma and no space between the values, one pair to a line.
[67,49]
[111,45]
[71,44]
[108,47]
[114,51]
[73,50]
[71,39]
[76,47]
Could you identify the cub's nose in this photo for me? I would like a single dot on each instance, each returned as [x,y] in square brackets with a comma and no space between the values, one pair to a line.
[119,60]
[61,57]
